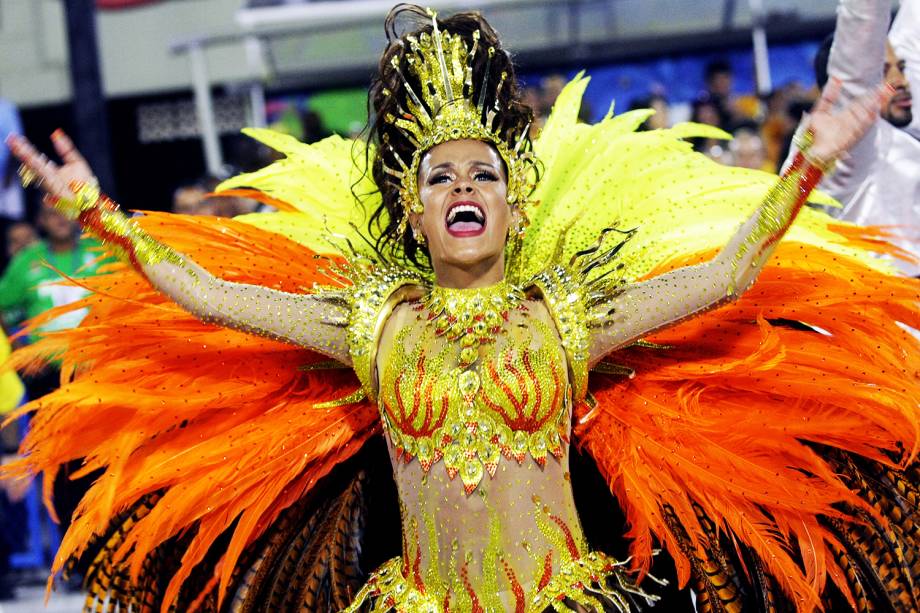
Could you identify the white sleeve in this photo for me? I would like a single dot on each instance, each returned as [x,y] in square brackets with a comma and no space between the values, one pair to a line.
[857,59]
[905,38]
[858,54]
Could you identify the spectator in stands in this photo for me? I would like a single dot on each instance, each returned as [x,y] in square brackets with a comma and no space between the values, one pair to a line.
[777,126]
[905,40]
[231,206]
[719,84]
[879,181]
[797,108]
[19,235]
[551,86]
[532,96]
[30,284]
[314,130]
[661,119]
[190,200]
[194,200]
[748,151]
[704,111]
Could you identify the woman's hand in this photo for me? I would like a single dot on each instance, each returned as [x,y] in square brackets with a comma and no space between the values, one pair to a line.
[832,131]
[53,179]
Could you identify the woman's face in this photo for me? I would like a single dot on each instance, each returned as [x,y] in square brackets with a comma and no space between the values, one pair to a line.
[464,189]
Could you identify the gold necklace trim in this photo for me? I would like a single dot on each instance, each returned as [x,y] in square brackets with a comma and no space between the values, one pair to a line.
[474,316]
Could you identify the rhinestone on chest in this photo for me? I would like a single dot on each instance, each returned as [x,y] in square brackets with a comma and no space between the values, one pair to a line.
[494,402]
[471,316]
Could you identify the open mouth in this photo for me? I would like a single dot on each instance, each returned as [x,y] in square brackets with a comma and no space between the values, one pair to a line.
[902,97]
[902,101]
[465,219]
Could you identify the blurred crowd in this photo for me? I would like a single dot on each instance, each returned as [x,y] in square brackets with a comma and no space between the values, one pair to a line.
[758,129]
[761,126]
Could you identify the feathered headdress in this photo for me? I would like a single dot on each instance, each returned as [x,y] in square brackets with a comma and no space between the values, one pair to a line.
[444,110]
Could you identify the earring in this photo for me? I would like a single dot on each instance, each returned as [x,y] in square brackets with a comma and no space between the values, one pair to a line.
[520,224]
[418,236]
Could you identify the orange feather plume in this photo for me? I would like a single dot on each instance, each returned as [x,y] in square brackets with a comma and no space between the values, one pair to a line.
[726,416]
[222,421]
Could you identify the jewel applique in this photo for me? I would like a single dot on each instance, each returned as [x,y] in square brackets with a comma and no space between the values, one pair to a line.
[493,402]
[472,317]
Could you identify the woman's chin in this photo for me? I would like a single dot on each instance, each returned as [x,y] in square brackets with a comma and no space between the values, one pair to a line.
[467,254]
[468,250]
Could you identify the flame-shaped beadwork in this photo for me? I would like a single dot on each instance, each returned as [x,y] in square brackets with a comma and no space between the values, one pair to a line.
[468,397]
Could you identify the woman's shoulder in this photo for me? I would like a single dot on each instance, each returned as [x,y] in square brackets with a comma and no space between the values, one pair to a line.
[372,300]
[405,312]
[559,297]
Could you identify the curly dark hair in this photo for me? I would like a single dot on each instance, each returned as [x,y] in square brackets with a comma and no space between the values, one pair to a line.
[388,93]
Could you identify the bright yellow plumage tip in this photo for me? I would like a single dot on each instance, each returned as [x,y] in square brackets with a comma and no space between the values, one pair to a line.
[598,176]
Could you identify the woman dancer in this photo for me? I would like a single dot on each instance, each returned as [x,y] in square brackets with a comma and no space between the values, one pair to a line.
[472,333]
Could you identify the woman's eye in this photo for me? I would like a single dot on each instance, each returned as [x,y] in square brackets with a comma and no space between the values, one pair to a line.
[485,175]
[441,178]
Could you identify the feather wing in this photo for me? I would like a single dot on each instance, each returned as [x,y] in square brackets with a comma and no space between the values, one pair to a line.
[730,416]
[608,175]
[325,197]
[223,427]
[717,447]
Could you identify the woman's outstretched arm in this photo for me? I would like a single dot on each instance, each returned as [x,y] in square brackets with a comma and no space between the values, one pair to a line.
[316,322]
[670,298]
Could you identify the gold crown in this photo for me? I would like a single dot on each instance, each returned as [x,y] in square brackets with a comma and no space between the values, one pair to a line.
[445,111]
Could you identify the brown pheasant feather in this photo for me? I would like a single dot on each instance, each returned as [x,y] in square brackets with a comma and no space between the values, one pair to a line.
[307,560]
[884,546]
[714,580]
[878,561]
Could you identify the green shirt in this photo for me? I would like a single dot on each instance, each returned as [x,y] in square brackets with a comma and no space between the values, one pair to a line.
[29,284]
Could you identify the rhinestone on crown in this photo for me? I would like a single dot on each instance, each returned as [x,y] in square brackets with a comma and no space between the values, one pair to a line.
[444,110]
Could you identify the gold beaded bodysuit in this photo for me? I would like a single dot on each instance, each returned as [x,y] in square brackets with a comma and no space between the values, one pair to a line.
[475,398]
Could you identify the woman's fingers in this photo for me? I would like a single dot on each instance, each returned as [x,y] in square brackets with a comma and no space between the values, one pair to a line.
[23,149]
[37,163]
[31,157]
[65,148]
[828,99]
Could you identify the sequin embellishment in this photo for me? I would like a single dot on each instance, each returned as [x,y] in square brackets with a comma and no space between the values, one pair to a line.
[589,578]
[468,402]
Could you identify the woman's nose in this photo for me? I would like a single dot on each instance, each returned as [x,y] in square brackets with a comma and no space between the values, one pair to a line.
[463,186]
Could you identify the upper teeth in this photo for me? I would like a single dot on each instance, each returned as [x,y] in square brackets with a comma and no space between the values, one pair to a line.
[464,208]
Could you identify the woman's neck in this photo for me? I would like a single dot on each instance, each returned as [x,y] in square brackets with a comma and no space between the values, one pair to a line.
[480,274]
